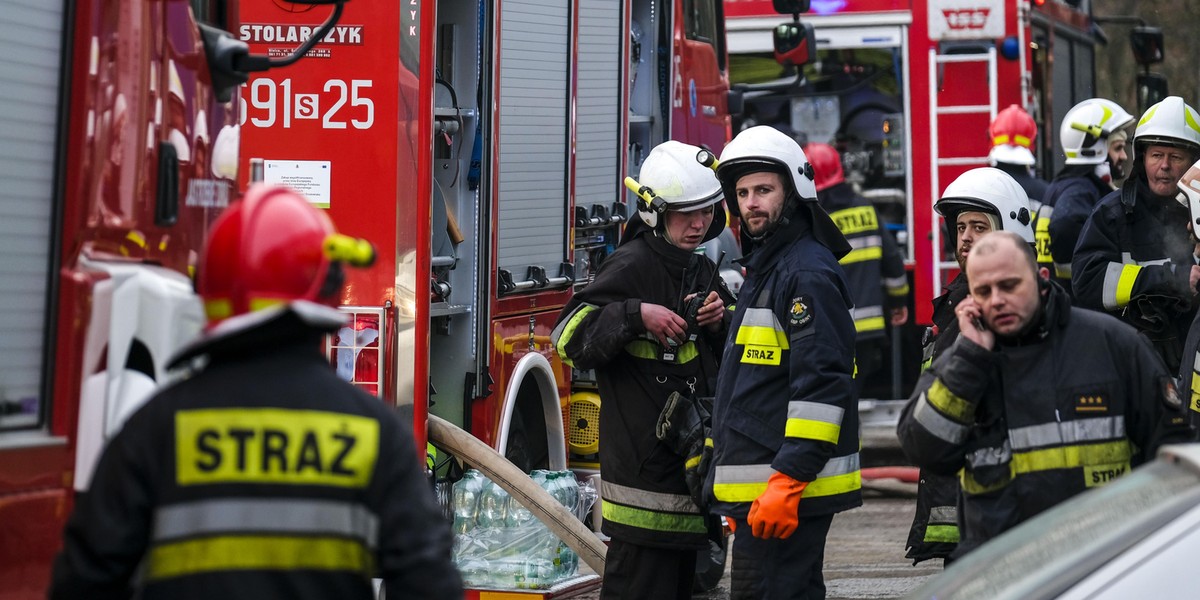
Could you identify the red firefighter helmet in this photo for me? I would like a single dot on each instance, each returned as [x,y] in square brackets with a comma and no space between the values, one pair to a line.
[1012,133]
[273,248]
[826,163]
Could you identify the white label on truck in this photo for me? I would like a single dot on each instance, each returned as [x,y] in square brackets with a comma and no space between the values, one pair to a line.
[309,177]
[966,19]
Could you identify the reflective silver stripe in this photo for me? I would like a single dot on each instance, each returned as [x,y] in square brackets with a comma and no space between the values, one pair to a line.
[761,317]
[654,501]
[815,411]
[735,474]
[1062,270]
[895,282]
[1196,363]
[567,326]
[1112,275]
[1098,429]
[990,457]
[840,465]
[277,515]
[866,312]
[938,424]
[1127,258]
[943,515]
[866,241]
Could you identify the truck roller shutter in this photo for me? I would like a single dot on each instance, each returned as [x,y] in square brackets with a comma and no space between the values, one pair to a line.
[598,106]
[31,43]
[535,59]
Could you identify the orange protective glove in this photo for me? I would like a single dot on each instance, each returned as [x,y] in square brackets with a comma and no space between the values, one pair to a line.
[774,513]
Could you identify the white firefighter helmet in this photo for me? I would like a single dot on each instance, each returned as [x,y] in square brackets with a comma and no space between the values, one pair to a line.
[673,174]
[764,148]
[1086,127]
[989,190]
[1189,193]
[1170,122]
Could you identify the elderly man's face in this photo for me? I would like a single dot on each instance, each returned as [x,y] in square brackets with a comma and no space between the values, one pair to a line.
[1164,166]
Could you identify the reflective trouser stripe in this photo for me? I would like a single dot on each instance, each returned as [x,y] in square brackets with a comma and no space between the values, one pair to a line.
[814,421]
[941,533]
[745,483]
[1118,284]
[275,516]
[240,553]
[868,318]
[1115,453]
[650,510]
[949,403]
[653,350]
[561,335]
[862,254]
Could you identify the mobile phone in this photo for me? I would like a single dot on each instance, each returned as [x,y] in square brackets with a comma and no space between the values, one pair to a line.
[978,323]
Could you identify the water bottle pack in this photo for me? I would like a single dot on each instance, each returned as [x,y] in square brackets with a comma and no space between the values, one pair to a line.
[499,544]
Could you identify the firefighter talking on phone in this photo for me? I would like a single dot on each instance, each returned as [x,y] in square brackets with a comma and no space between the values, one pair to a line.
[263,475]
[1036,400]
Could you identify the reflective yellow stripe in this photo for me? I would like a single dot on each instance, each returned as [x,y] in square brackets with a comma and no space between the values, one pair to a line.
[949,404]
[750,335]
[275,445]
[813,430]
[898,291]
[218,308]
[650,350]
[1195,403]
[657,521]
[942,533]
[855,220]
[869,324]
[1113,456]
[1129,276]
[862,254]
[831,486]
[738,492]
[562,335]
[239,553]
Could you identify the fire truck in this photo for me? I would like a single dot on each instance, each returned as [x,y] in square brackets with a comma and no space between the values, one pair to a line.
[118,147]
[905,90]
[481,146]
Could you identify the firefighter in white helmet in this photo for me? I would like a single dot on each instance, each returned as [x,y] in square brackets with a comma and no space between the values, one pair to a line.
[978,202]
[632,326]
[1189,366]
[1135,255]
[785,423]
[1093,137]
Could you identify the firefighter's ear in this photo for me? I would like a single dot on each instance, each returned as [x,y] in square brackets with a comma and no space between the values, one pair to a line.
[1043,279]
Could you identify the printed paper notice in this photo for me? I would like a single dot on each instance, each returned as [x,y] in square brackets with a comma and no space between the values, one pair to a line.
[309,177]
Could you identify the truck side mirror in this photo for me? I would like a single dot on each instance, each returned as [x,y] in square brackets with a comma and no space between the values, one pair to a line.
[790,7]
[795,44]
[1151,89]
[1147,45]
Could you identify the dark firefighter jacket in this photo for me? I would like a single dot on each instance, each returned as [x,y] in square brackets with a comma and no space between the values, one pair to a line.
[1133,259]
[646,499]
[1073,194]
[1189,373]
[874,267]
[262,476]
[1075,402]
[934,531]
[784,396]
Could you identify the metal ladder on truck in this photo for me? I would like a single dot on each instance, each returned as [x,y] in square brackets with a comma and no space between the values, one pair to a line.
[944,155]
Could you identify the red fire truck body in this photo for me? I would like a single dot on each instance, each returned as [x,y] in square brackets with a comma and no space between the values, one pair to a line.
[906,91]
[494,190]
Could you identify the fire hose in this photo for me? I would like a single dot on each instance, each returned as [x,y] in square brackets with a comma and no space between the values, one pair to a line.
[520,487]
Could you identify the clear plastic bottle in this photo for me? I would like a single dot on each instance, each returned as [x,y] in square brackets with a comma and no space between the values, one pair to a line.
[518,515]
[570,491]
[465,496]
[493,506]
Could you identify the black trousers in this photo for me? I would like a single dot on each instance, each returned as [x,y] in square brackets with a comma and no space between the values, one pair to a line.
[633,571]
[777,569]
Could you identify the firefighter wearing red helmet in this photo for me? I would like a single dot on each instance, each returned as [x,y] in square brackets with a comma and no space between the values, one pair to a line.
[1013,134]
[261,475]
[874,268]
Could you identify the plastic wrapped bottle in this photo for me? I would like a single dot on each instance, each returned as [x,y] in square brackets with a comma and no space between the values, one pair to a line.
[518,515]
[493,506]
[465,496]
